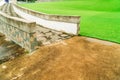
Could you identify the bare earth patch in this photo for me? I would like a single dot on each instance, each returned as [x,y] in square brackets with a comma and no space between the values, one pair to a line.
[78,58]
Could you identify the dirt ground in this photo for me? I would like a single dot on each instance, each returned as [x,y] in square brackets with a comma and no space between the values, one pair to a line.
[78,58]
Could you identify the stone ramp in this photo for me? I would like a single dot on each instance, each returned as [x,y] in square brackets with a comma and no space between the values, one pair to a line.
[44,35]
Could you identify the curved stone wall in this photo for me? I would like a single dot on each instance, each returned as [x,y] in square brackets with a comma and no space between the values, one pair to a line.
[19,30]
[68,24]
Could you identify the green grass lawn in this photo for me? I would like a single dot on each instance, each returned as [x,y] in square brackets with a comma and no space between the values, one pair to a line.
[99,18]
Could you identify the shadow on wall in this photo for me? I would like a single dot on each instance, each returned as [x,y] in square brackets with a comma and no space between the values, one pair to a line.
[8,49]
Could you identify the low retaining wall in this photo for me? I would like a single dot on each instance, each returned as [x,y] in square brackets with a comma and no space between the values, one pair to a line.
[19,30]
[68,24]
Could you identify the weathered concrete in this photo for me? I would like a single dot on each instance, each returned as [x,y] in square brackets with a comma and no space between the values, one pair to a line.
[68,24]
[19,30]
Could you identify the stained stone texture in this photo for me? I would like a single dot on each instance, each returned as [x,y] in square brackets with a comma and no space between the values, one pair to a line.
[18,30]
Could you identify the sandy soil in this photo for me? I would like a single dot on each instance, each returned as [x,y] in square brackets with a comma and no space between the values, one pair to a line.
[78,58]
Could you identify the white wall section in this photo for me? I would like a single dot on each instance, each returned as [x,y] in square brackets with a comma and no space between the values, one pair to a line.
[56,25]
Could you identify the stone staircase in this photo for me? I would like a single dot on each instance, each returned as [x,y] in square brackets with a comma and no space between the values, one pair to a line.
[44,35]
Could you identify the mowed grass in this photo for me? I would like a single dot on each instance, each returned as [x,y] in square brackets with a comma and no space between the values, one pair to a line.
[99,19]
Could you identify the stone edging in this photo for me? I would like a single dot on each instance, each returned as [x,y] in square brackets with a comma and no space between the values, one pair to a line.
[70,19]
[22,24]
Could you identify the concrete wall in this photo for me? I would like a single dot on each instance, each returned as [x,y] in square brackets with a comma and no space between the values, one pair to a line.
[19,30]
[68,24]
